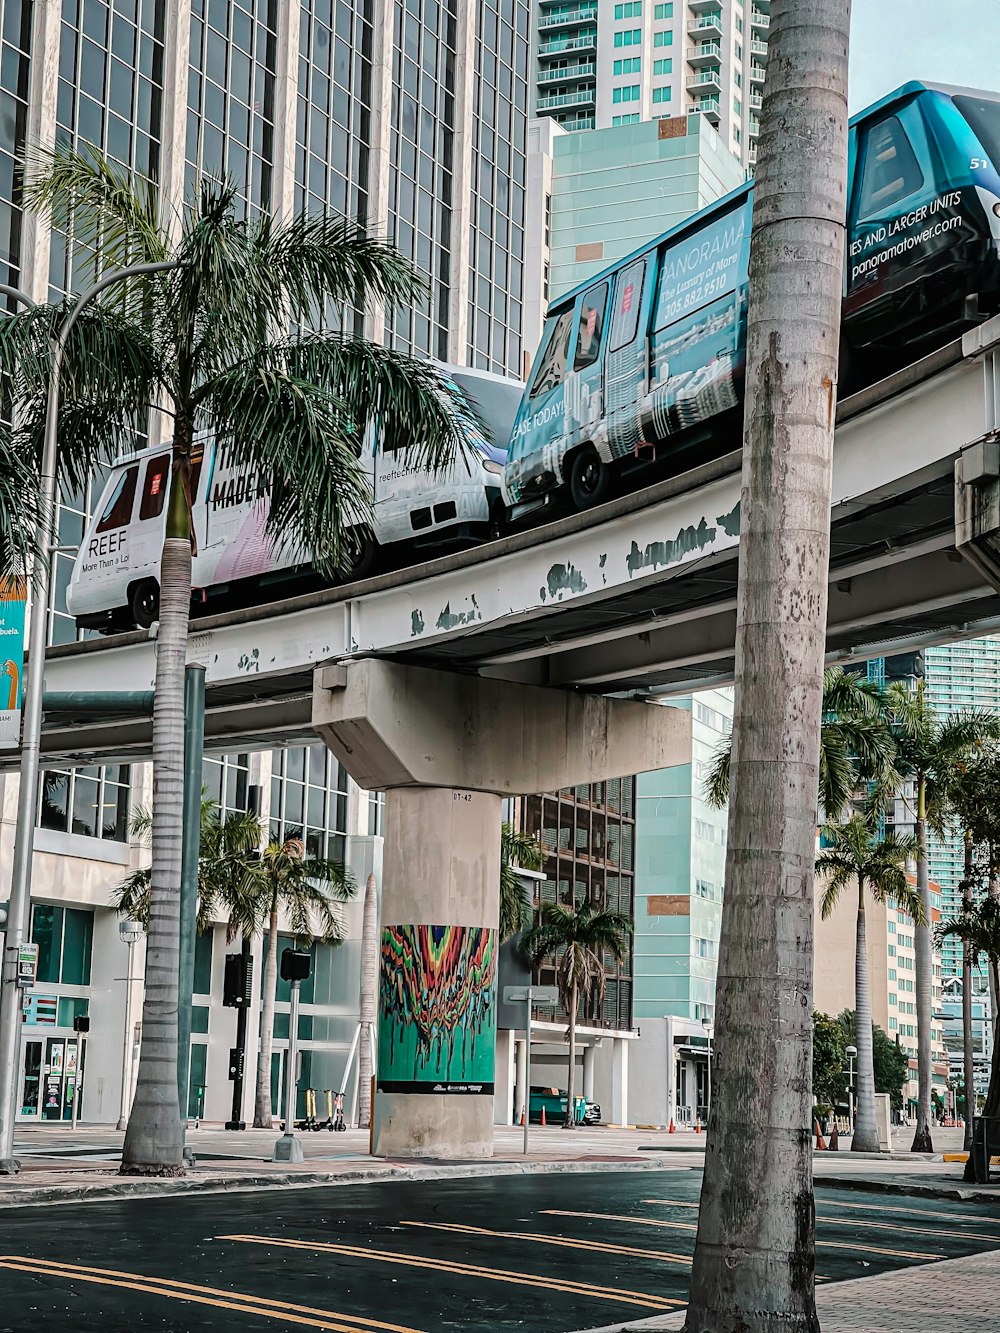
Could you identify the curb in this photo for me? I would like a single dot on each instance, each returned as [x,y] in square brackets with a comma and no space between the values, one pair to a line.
[875,1186]
[122,1188]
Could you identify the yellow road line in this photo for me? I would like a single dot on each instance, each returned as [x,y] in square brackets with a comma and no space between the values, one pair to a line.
[468,1270]
[864,1222]
[462,1229]
[692,1226]
[914,1212]
[302,1315]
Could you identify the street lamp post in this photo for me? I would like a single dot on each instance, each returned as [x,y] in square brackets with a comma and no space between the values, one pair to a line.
[130,933]
[851,1052]
[27,794]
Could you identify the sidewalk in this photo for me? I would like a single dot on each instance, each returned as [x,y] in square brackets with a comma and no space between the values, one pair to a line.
[953,1296]
[58,1165]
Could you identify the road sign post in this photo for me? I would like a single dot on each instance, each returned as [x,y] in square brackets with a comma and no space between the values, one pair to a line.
[548,997]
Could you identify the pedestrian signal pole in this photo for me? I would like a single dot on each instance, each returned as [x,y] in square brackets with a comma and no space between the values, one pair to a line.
[543,996]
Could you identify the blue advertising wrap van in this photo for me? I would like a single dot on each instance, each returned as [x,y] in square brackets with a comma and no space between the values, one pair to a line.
[639,358]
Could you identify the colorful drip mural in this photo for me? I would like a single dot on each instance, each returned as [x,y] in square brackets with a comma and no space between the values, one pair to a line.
[437,1009]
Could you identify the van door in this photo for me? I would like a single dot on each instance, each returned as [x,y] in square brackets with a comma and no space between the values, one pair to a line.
[626,363]
[584,393]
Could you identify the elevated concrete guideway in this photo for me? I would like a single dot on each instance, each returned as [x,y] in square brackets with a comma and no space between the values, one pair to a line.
[636,596]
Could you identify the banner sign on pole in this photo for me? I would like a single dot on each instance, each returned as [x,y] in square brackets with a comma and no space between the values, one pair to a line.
[12,599]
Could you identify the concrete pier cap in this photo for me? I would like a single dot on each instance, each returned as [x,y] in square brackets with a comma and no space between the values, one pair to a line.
[392,725]
[447,748]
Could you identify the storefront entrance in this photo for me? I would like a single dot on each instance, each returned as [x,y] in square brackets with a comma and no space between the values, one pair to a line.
[50,1070]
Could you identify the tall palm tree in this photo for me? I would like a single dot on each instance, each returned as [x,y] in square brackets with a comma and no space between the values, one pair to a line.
[928,747]
[579,940]
[856,745]
[517,851]
[208,345]
[282,881]
[853,855]
[979,929]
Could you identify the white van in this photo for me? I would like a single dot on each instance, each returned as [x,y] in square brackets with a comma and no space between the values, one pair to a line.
[115,580]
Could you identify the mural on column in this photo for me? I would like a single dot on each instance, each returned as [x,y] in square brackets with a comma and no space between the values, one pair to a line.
[437,1009]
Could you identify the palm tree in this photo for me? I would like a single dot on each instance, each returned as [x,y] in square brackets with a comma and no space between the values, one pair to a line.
[854,856]
[207,344]
[282,880]
[517,851]
[928,747]
[856,745]
[579,940]
[979,929]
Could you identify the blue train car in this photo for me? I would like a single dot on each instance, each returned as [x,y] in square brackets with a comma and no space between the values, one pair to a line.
[634,361]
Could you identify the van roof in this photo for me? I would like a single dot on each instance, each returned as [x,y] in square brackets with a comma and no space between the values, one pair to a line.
[900,95]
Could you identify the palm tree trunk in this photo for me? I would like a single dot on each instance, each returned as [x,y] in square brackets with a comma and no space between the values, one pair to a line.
[865,1129]
[968,1063]
[571,1071]
[754,1259]
[154,1139]
[263,1114]
[369,985]
[922,1141]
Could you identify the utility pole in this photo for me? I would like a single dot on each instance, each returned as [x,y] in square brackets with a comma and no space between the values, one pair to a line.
[754,1258]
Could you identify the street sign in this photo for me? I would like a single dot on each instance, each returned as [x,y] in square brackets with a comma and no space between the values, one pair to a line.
[540,995]
[27,964]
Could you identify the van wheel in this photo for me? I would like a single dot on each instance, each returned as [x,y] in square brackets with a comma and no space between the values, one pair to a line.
[144,603]
[361,552]
[498,521]
[589,479]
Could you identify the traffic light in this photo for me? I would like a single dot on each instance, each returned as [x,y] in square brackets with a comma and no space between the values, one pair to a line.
[295,965]
[81,1023]
[237,983]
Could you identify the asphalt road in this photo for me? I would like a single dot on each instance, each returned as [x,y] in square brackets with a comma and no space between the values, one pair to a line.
[537,1254]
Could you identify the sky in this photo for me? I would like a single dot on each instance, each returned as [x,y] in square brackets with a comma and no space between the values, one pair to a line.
[939,41]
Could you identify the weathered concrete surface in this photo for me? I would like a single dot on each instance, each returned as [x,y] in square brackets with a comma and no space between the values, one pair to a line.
[402,726]
[441,867]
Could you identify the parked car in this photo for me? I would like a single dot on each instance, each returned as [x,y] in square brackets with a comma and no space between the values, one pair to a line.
[553,1101]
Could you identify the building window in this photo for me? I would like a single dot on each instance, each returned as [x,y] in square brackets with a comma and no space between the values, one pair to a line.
[631,10]
[630,119]
[663,11]
[92,802]
[892,974]
[663,39]
[630,65]
[737,107]
[65,939]
[630,37]
[226,780]
[630,93]
[661,94]
[663,66]
[376,814]
[309,800]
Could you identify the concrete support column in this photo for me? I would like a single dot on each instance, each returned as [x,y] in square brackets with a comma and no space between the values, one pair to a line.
[521,1091]
[503,1091]
[437,974]
[619,1082]
[589,1061]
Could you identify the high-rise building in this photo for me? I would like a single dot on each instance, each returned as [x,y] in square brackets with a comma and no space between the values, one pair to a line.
[958,676]
[603,62]
[410,116]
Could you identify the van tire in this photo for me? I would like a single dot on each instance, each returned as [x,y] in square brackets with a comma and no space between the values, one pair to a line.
[361,553]
[588,478]
[144,603]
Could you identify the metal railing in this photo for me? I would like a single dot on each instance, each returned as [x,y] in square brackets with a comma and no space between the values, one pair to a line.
[583,42]
[561,73]
[566,99]
[567,18]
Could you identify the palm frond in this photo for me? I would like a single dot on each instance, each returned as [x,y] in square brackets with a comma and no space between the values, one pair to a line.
[716,788]
[314,256]
[20,509]
[110,212]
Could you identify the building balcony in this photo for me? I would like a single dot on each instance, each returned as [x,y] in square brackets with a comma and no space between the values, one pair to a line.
[709,25]
[756,101]
[708,107]
[709,80]
[567,73]
[583,97]
[758,49]
[752,154]
[757,72]
[754,127]
[570,18]
[759,21]
[706,53]
[705,6]
[581,123]
[583,41]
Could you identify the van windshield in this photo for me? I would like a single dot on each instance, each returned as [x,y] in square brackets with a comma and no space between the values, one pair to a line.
[984,117]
